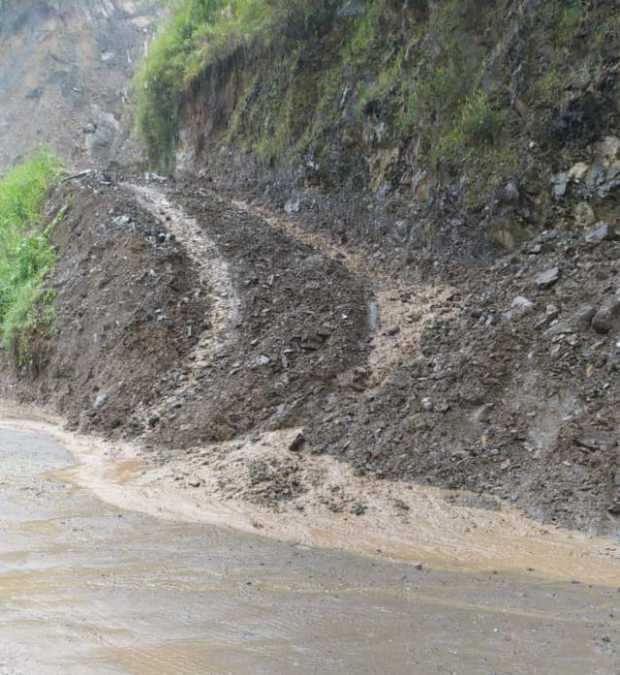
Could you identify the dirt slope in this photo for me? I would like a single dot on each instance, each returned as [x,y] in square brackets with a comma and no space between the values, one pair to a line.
[197,325]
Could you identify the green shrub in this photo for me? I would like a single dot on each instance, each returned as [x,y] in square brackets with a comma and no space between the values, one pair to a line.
[26,255]
[476,125]
[479,122]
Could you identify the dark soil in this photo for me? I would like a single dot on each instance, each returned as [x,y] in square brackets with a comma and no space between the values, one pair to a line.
[124,296]
[513,390]
[303,323]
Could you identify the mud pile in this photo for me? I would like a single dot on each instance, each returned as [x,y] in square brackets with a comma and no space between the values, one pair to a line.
[195,324]
[125,293]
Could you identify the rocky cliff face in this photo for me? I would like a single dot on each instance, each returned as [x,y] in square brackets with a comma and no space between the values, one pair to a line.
[456,124]
[64,69]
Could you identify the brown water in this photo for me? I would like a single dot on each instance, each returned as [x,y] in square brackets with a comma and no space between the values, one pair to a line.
[86,588]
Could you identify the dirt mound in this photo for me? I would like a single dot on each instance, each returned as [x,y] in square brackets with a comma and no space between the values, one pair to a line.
[125,296]
[191,323]
[514,389]
[301,329]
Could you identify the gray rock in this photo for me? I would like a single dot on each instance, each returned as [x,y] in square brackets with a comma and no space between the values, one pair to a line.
[597,440]
[584,315]
[607,316]
[552,312]
[123,220]
[559,184]
[428,405]
[263,360]
[293,206]
[511,194]
[298,442]
[100,401]
[601,232]
[522,304]
[548,278]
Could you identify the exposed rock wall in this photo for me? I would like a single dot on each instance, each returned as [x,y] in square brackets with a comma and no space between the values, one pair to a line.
[447,120]
[64,71]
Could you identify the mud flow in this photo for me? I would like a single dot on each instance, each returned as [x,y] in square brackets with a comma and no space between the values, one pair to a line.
[89,588]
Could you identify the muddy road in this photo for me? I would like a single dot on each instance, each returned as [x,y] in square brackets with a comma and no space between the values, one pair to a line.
[88,588]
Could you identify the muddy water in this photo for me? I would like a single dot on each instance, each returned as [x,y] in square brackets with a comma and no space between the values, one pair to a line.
[86,588]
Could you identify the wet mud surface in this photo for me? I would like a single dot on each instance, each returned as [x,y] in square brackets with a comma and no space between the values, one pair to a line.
[243,327]
[87,588]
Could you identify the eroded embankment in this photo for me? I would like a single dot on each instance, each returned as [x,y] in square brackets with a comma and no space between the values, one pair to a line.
[317,371]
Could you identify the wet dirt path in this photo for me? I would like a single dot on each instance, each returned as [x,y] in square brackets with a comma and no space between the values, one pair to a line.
[88,588]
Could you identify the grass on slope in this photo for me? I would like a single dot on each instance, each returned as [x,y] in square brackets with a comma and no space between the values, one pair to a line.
[199,33]
[25,251]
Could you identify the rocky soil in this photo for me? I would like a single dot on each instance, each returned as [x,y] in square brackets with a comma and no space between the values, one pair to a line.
[125,294]
[497,380]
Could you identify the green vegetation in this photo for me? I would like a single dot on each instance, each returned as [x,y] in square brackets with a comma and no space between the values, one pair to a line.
[200,34]
[26,255]
[367,91]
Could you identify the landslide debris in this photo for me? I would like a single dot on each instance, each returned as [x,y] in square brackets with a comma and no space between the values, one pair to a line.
[498,379]
[125,295]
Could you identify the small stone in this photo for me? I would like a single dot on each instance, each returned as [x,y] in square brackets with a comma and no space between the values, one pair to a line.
[298,442]
[584,315]
[427,404]
[548,278]
[601,232]
[552,312]
[511,194]
[560,185]
[522,304]
[292,206]
[606,317]
[597,440]
[195,483]
[100,401]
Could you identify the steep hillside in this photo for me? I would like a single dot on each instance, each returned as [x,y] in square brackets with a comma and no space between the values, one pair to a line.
[448,120]
[64,68]
[321,292]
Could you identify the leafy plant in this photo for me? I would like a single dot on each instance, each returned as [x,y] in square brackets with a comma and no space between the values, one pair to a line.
[26,255]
